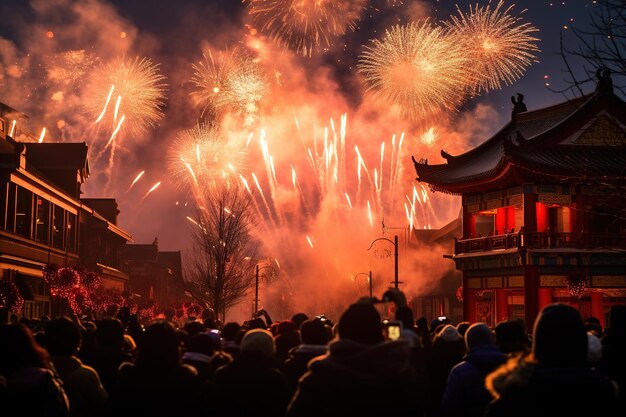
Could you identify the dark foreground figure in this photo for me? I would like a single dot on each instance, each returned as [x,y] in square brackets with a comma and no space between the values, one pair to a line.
[118,368]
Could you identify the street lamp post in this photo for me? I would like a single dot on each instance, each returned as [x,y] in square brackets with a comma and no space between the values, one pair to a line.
[394,242]
[256,287]
[369,279]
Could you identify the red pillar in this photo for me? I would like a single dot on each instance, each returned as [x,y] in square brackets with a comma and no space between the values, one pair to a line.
[469,224]
[501,221]
[597,306]
[502,305]
[469,302]
[510,219]
[545,297]
[542,217]
[531,294]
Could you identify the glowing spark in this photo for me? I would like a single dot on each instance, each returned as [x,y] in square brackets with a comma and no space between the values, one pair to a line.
[500,45]
[154,187]
[106,104]
[117,107]
[305,25]
[193,221]
[13,128]
[141,85]
[43,134]
[369,214]
[232,82]
[116,131]
[429,137]
[136,179]
[309,240]
[348,199]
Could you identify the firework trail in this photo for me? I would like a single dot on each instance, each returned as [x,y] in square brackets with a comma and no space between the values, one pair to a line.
[305,26]
[43,135]
[138,89]
[416,70]
[135,180]
[231,82]
[501,45]
[154,187]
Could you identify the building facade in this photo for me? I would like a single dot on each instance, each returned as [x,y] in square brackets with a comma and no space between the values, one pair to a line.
[544,210]
[154,274]
[43,220]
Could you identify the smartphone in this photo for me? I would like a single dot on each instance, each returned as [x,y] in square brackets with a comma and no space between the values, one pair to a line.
[393,330]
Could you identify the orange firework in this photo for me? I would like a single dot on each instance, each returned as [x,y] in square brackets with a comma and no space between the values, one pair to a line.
[69,66]
[501,45]
[201,156]
[415,70]
[231,82]
[137,89]
[305,25]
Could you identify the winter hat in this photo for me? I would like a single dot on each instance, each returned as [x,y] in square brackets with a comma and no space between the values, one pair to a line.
[361,323]
[313,332]
[560,338]
[594,348]
[479,334]
[259,342]
[286,326]
[449,334]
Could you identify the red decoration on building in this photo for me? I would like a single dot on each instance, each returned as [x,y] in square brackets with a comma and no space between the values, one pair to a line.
[577,284]
[10,297]
[459,294]
[77,285]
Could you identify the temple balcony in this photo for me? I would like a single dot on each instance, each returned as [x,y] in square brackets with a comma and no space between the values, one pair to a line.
[543,240]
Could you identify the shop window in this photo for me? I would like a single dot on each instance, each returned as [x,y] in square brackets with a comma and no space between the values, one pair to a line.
[42,224]
[58,226]
[71,232]
[24,212]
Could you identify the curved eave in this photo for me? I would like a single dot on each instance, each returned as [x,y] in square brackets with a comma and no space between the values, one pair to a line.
[504,173]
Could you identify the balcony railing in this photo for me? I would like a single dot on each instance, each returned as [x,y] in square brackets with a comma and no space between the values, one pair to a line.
[557,240]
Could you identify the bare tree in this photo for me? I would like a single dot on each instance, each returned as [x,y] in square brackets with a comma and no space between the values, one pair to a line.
[600,45]
[221,270]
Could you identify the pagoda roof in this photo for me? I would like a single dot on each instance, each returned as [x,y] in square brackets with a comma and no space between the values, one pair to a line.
[578,139]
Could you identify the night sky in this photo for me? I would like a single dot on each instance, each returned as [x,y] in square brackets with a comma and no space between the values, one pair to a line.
[171,32]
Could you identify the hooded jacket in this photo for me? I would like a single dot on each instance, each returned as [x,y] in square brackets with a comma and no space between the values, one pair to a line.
[465,393]
[358,379]
[526,389]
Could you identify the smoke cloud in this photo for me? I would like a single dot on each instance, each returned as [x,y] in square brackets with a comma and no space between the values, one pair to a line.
[319,235]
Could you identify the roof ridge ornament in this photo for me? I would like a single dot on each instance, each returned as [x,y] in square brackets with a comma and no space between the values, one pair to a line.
[605,82]
[518,105]
[445,155]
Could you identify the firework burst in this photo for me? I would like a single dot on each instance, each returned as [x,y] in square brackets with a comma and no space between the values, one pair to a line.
[305,25]
[231,82]
[501,45]
[415,69]
[129,89]
[69,66]
[201,156]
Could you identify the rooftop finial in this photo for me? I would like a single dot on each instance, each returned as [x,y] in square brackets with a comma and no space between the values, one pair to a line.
[605,82]
[518,105]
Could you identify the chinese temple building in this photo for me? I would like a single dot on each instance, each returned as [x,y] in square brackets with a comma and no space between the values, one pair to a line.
[543,210]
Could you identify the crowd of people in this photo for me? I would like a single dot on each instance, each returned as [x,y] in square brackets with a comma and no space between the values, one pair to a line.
[312,367]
